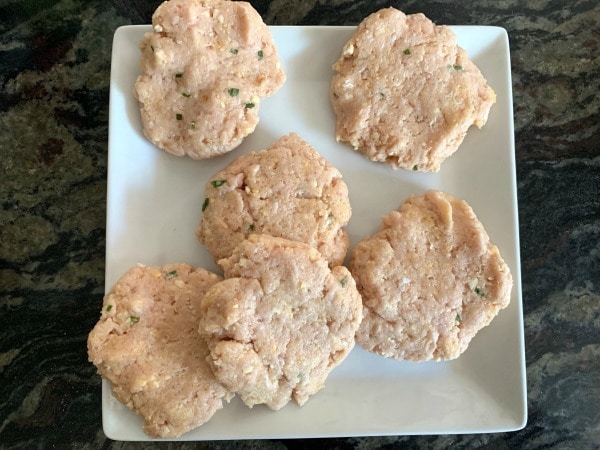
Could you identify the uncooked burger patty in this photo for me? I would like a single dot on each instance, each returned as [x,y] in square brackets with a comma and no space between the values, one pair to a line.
[147,345]
[280,321]
[429,279]
[287,190]
[405,93]
[205,67]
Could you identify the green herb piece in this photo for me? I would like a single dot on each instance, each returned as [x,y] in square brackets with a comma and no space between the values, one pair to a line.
[233,50]
[108,308]
[185,94]
[178,75]
[260,54]
[251,227]
[343,281]
[193,125]
[249,105]
[479,291]
[415,167]
[134,319]
[179,116]
[407,51]
[205,204]
[448,66]
[152,47]
[233,91]
[172,274]
[217,183]
[458,318]
[457,67]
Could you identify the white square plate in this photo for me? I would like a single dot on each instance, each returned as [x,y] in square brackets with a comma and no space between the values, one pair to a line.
[154,203]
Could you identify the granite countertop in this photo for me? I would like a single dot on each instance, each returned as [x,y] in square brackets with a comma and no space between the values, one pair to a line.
[54,76]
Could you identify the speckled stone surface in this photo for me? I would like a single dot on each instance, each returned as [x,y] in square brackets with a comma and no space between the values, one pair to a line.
[54,84]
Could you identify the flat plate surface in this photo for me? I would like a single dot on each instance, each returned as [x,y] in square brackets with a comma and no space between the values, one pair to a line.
[154,206]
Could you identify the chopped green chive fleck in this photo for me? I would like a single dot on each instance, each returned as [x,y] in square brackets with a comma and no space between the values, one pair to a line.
[415,167]
[217,183]
[458,318]
[178,75]
[205,204]
[448,66]
[171,274]
[179,116]
[457,67]
[407,51]
[233,50]
[249,105]
[185,94]
[108,308]
[251,227]
[343,281]
[260,54]
[152,47]
[479,292]
[233,91]
[134,319]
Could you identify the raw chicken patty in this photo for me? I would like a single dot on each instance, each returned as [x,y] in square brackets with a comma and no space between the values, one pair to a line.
[287,190]
[280,321]
[147,345]
[430,280]
[205,67]
[405,93]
